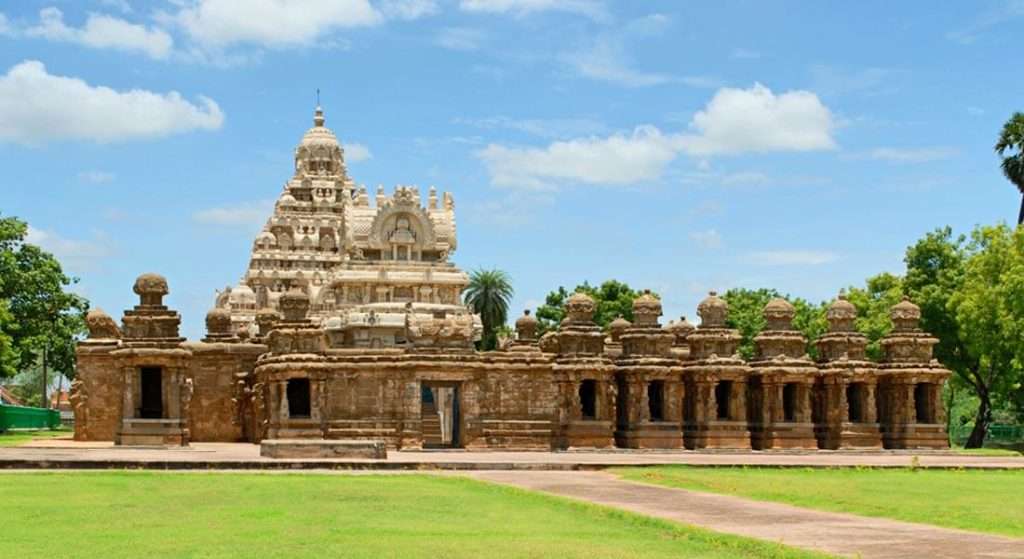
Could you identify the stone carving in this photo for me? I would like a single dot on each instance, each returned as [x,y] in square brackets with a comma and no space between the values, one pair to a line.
[713,311]
[151,288]
[101,326]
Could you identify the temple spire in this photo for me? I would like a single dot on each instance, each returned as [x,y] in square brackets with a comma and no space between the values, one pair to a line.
[318,114]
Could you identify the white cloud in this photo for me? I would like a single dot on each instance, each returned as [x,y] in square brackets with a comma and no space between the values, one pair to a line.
[245,214]
[460,38]
[734,121]
[74,254]
[606,61]
[103,32]
[96,177]
[544,128]
[913,155]
[975,111]
[515,209]
[744,178]
[792,257]
[615,160]
[409,9]
[354,153]
[757,120]
[217,24]
[36,107]
[590,8]
[5,26]
[709,239]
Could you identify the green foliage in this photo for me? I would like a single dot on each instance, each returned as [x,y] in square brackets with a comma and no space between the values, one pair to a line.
[612,299]
[746,314]
[488,294]
[37,315]
[1010,146]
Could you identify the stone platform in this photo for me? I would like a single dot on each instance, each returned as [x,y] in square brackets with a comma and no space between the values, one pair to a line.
[67,454]
[323,448]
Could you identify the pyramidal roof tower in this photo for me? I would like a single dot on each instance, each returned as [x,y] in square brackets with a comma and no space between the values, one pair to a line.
[354,259]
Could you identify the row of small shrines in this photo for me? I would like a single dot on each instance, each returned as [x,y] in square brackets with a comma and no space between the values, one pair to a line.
[643,386]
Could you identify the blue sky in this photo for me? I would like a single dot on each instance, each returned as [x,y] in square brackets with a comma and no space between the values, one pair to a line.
[676,146]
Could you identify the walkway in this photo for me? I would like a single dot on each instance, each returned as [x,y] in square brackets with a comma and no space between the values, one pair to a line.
[62,453]
[841,534]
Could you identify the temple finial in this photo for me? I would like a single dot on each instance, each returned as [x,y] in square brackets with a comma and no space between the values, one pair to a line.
[318,114]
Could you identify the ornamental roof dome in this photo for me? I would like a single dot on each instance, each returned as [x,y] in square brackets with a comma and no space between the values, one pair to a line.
[619,324]
[266,238]
[319,135]
[905,315]
[779,313]
[526,319]
[713,311]
[779,307]
[680,329]
[841,314]
[151,283]
[579,307]
[646,309]
[218,321]
[286,198]
[242,295]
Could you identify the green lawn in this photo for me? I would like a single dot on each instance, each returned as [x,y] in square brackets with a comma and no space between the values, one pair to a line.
[15,438]
[148,514]
[986,451]
[983,501]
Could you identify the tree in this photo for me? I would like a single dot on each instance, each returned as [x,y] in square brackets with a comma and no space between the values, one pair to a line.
[746,314]
[39,319]
[489,293]
[1010,147]
[989,309]
[611,299]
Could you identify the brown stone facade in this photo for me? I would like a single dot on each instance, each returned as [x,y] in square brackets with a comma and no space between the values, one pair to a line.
[653,387]
[349,324]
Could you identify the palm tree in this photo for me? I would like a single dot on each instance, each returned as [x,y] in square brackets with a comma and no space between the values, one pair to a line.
[488,293]
[1012,139]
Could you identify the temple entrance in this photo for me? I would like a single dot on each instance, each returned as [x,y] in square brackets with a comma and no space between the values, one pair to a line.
[723,397]
[855,402]
[922,404]
[588,399]
[440,415]
[151,390]
[298,398]
[656,400]
[789,401]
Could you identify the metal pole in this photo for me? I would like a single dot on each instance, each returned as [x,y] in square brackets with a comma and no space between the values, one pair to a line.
[46,403]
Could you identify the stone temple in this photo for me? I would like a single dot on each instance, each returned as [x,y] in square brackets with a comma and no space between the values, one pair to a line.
[348,325]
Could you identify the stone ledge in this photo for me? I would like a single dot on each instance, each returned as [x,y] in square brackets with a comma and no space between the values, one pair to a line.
[323,448]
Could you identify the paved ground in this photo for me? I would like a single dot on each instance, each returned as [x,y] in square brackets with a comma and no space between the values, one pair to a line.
[841,534]
[61,453]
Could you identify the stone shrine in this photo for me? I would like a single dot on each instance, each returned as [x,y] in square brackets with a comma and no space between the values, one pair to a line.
[348,325]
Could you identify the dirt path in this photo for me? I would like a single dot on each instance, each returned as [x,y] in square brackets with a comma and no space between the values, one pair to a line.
[841,534]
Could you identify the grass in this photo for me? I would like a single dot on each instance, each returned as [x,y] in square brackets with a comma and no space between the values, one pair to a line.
[981,501]
[15,438]
[148,514]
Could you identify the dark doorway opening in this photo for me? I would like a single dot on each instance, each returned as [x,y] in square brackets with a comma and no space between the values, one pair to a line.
[789,401]
[723,399]
[855,402]
[588,399]
[152,405]
[298,398]
[440,415]
[656,399]
[922,405]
